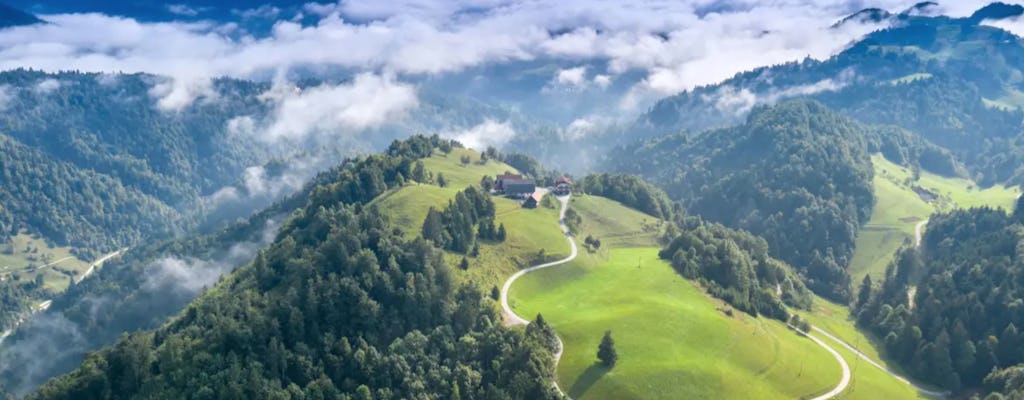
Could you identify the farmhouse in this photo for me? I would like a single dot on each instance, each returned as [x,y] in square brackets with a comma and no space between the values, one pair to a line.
[514,185]
[563,186]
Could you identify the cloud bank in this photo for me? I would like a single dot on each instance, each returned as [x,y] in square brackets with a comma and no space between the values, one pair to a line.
[677,44]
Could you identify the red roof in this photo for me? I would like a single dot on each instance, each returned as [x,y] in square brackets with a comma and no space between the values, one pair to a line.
[564,180]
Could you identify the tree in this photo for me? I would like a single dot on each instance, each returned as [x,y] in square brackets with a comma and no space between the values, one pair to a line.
[487,183]
[495,293]
[465,160]
[606,350]
[501,232]
[475,252]
[864,294]
[441,181]
[464,264]
[419,172]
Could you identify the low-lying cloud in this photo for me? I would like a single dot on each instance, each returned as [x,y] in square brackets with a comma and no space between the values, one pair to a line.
[488,133]
[678,45]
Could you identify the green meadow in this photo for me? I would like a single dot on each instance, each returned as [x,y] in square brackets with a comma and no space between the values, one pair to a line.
[674,342]
[898,208]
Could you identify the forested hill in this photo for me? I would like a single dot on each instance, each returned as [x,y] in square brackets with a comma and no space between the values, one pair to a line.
[954,82]
[114,163]
[949,311]
[339,306]
[796,174]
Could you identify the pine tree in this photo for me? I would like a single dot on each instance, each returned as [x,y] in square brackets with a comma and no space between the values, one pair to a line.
[501,233]
[464,264]
[441,181]
[606,350]
[476,250]
[495,293]
[864,295]
[433,227]
[419,172]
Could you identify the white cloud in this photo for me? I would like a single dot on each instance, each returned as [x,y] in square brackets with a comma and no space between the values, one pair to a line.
[182,9]
[367,102]
[6,96]
[47,86]
[728,99]
[488,133]
[602,81]
[1012,25]
[583,127]
[572,76]
[676,44]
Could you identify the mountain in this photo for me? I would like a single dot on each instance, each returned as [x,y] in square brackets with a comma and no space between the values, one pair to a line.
[949,80]
[10,16]
[796,174]
[865,16]
[997,11]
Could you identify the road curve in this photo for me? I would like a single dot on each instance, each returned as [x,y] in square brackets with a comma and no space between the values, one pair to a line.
[844,381]
[879,366]
[510,316]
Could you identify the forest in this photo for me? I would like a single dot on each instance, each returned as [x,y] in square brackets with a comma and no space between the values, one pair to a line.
[949,310]
[796,174]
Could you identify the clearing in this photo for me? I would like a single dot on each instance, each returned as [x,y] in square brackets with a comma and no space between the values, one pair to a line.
[900,205]
[27,256]
[673,340]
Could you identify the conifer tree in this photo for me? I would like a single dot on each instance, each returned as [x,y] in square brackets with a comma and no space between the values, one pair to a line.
[606,350]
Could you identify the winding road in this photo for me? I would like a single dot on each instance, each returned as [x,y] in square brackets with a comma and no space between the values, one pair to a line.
[511,319]
[510,316]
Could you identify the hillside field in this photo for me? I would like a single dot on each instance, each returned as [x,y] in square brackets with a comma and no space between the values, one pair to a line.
[898,208]
[674,342]
[25,257]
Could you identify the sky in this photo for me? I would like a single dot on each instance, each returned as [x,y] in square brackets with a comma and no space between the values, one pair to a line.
[385,46]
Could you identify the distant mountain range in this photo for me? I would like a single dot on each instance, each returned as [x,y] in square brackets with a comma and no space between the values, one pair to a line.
[10,16]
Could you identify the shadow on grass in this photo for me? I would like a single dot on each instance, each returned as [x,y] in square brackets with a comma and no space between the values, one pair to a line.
[587,379]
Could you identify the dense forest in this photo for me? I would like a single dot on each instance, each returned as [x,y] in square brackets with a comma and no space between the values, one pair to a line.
[949,310]
[339,306]
[630,190]
[93,163]
[124,296]
[796,174]
[734,266]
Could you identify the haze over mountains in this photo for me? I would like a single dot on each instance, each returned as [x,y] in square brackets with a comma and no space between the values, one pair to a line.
[249,154]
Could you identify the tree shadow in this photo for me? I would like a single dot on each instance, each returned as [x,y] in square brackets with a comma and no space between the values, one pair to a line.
[587,379]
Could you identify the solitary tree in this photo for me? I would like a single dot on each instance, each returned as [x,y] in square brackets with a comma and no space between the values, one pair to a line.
[464,264]
[502,233]
[441,181]
[606,350]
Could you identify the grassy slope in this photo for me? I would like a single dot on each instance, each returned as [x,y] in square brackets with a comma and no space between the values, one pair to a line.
[528,230]
[672,341]
[898,208]
[868,382]
[27,265]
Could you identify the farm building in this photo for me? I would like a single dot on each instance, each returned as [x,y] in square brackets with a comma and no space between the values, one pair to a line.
[514,185]
[563,186]
[499,181]
[534,200]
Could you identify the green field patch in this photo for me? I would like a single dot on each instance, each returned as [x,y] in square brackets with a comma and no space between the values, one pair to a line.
[615,224]
[900,203]
[26,256]
[674,342]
